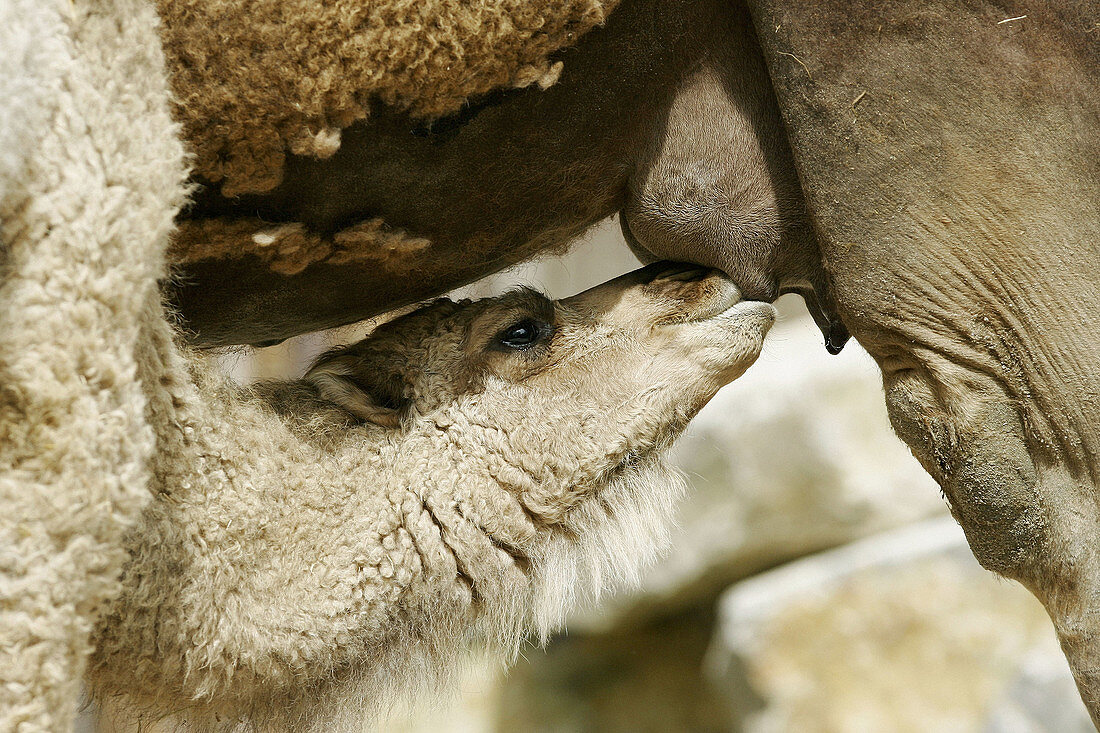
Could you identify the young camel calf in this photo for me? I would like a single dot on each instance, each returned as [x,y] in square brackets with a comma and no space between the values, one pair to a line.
[473,467]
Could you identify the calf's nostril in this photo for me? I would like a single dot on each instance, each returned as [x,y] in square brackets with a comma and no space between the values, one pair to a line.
[678,271]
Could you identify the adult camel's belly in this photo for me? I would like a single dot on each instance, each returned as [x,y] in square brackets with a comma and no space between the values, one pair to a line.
[665,114]
[514,173]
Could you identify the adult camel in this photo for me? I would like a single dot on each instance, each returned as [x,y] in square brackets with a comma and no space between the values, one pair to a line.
[945,211]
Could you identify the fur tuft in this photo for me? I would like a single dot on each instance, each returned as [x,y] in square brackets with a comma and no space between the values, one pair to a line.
[605,543]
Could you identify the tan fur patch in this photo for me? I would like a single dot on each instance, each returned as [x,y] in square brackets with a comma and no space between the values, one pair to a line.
[290,248]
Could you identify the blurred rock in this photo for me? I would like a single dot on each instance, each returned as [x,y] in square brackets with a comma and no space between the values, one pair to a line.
[472,708]
[1041,698]
[899,632]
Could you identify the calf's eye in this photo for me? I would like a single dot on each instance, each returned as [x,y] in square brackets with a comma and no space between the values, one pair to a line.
[522,335]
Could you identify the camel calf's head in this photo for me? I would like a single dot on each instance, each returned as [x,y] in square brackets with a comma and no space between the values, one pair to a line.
[612,372]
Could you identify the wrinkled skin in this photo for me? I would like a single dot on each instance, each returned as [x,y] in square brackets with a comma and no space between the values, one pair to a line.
[958,213]
[685,134]
[949,163]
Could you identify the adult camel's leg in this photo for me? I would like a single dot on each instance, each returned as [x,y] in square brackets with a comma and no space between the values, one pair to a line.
[951,162]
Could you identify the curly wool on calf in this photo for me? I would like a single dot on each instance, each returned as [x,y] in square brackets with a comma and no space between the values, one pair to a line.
[298,567]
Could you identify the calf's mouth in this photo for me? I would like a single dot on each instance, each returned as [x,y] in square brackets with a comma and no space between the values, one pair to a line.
[702,292]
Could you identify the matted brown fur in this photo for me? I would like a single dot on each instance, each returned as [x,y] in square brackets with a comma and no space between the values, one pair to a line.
[288,248]
[253,80]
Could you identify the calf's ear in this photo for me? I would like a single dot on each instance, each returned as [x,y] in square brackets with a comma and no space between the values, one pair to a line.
[340,381]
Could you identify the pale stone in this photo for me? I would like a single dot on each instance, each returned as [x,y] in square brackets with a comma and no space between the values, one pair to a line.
[900,632]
